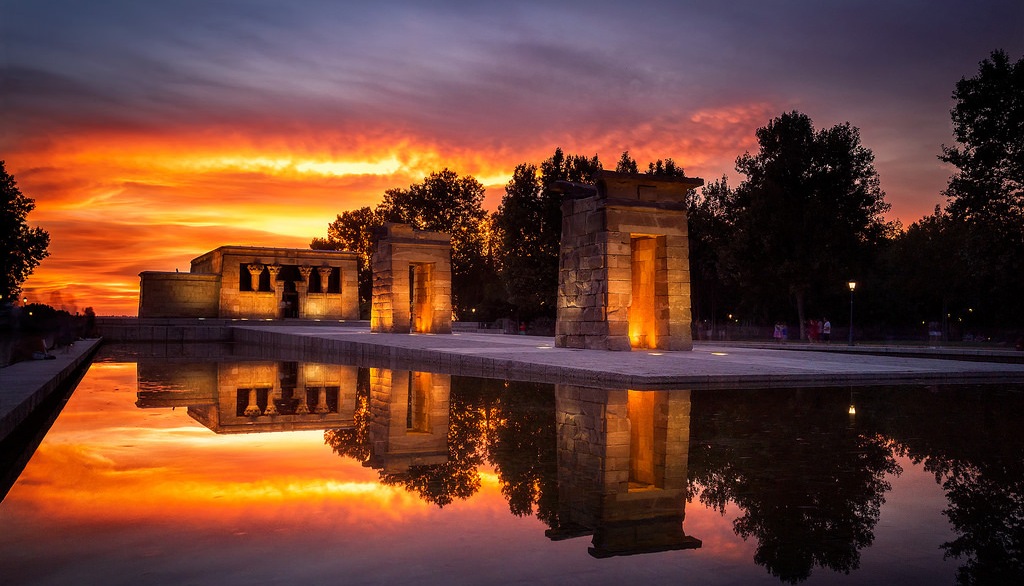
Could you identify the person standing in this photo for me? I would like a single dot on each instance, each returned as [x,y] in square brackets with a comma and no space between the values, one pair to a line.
[826,330]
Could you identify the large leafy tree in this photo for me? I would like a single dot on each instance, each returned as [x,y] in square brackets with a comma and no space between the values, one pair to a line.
[528,231]
[21,247]
[808,216]
[710,231]
[445,202]
[986,193]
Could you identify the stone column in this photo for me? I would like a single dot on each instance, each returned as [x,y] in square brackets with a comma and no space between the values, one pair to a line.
[302,288]
[277,286]
[271,407]
[325,277]
[303,408]
[321,402]
[252,409]
[255,270]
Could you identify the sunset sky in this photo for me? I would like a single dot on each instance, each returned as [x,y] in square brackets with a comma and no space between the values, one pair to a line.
[151,132]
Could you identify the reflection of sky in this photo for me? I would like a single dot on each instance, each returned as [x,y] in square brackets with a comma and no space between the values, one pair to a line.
[151,132]
[160,498]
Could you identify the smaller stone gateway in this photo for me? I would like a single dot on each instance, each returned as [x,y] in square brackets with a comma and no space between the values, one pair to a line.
[412,281]
[623,268]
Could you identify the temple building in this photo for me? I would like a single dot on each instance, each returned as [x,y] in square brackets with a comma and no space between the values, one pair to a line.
[253,397]
[249,282]
[623,269]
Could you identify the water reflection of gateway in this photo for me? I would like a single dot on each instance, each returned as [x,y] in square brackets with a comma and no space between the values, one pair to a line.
[246,397]
[622,465]
[408,423]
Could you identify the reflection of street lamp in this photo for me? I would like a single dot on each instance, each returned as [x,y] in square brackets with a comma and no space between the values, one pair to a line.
[853,285]
[852,410]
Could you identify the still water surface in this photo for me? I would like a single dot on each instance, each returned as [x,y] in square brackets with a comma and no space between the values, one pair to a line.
[261,472]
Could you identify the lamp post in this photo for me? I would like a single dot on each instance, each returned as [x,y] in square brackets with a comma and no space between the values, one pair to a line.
[853,285]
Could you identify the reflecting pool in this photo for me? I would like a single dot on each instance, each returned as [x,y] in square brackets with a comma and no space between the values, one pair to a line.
[176,469]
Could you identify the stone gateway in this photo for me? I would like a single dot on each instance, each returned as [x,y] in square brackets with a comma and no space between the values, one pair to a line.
[412,281]
[623,270]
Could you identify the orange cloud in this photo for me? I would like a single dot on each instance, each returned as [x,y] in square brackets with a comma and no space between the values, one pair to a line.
[117,202]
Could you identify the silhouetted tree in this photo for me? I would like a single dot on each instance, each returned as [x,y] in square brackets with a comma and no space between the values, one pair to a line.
[21,247]
[522,448]
[710,230]
[626,164]
[666,168]
[924,272]
[986,193]
[528,231]
[810,490]
[808,216]
[444,202]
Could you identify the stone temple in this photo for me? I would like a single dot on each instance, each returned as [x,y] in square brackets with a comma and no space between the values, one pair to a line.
[624,273]
[249,282]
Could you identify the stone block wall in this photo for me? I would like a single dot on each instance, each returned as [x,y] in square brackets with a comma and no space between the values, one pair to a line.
[164,294]
[624,279]
[412,281]
[409,419]
[622,466]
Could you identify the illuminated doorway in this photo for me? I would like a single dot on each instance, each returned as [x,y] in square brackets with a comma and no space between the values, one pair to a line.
[642,316]
[421,297]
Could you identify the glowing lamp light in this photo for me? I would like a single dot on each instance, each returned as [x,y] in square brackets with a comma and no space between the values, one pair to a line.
[852,285]
[719,353]
[852,410]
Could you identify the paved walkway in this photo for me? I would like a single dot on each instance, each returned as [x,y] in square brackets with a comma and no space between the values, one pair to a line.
[535,359]
[24,385]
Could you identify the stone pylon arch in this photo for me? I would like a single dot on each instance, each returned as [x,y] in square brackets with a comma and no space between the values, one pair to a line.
[624,269]
[412,281]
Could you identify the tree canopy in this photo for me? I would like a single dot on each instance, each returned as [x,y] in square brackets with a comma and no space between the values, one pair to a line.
[21,247]
[528,231]
[807,217]
[986,192]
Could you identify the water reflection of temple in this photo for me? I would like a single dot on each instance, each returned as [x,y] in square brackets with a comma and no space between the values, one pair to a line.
[622,465]
[408,424]
[244,397]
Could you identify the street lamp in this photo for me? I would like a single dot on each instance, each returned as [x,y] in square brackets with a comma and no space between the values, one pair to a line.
[853,285]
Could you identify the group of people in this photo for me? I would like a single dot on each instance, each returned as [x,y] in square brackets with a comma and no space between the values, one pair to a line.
[817,331]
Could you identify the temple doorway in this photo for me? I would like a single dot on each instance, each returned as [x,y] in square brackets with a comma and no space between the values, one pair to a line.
[642,315]
[289,300]
[421,296]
